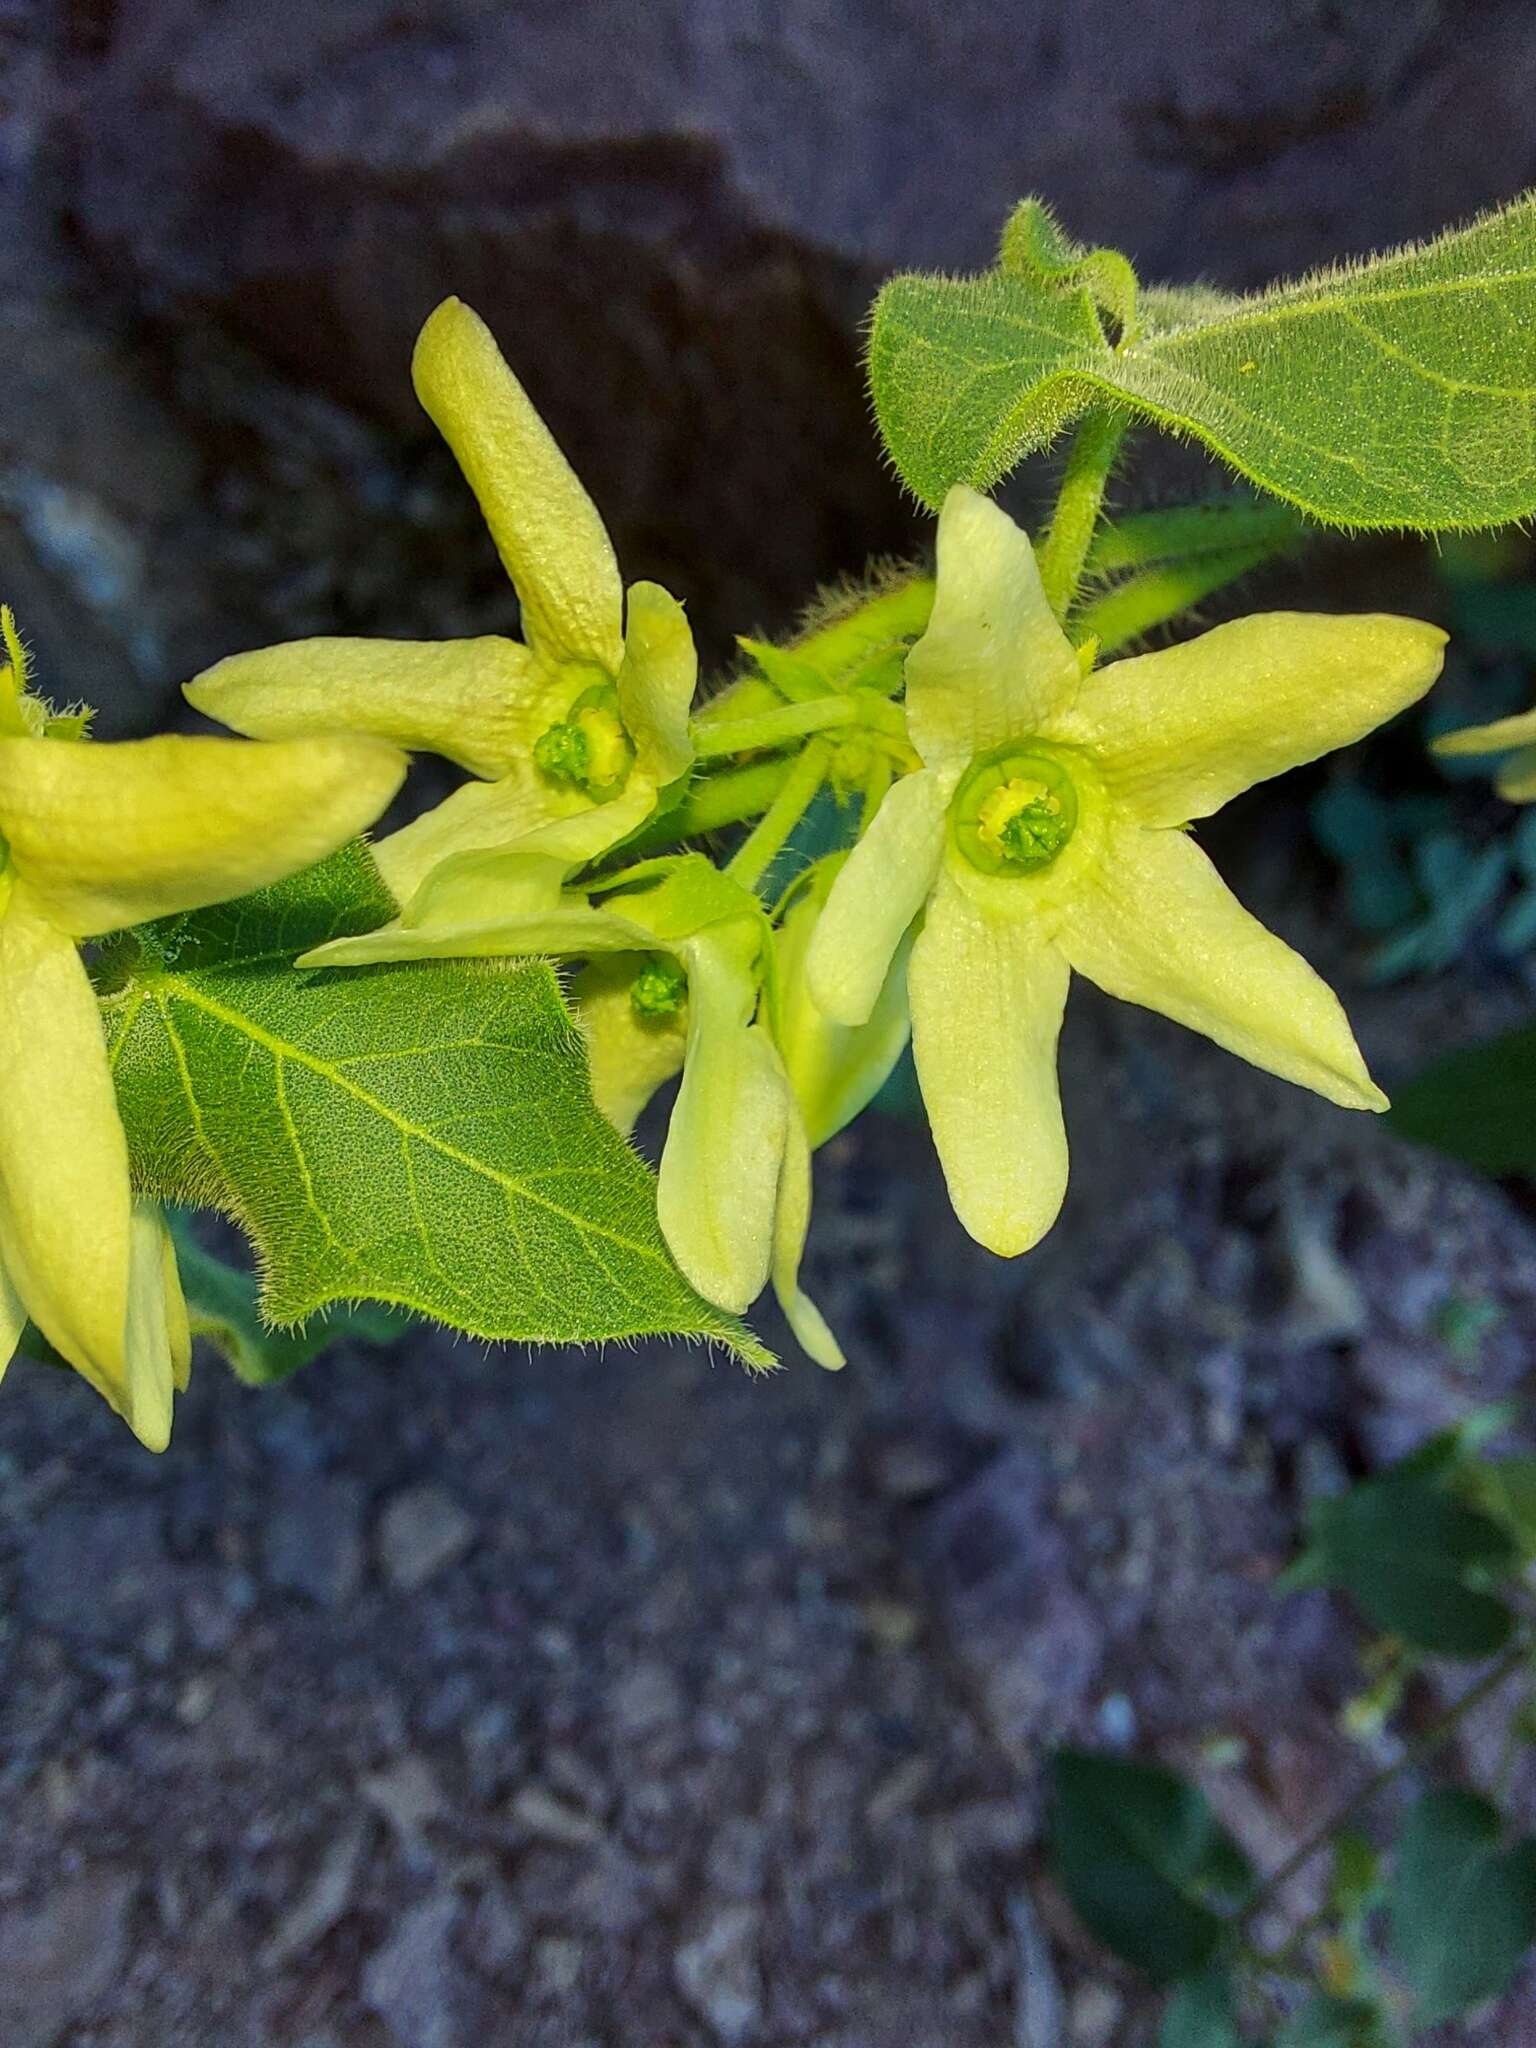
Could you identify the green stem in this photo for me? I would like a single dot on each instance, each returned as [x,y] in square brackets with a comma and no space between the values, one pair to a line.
[793,721]
[765,841]
[714,802]
[774,728]
[1078,505]
[1421,1747]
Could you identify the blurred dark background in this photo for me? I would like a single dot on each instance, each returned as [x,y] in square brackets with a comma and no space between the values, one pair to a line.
[446,1697]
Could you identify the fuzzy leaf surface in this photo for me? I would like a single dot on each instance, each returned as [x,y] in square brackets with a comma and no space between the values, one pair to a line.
[420,1135]
[1397,392]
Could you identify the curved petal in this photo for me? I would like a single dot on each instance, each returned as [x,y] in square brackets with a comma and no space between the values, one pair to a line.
[479,702]
[151,1334]
[178,1325]
[478,818]
[1179,732]
[546,529]
[994,664]
[718,1186]
[64,1200]
[987,999]
[108,835]
[1157,926]
[1518,731]
[656,682]
[628,1056]
[883,885]
[834,1069]
[791,1221]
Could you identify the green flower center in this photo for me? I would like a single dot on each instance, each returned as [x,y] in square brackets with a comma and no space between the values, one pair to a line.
[1014,811]
[660,988]
[588,748]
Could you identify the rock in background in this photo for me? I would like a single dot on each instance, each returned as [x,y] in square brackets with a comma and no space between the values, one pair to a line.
[222,225]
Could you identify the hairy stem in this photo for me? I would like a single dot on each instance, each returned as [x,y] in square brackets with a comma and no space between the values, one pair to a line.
[775,728]
[762,844]
[1078,505]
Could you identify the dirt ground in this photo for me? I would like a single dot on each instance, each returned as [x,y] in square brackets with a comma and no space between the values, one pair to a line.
[447,1696]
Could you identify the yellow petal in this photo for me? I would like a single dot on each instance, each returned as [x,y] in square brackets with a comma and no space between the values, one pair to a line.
[480,702]
[1516,779]
[987,999]
[882,887]
[520,811]
[178,1326]
[656,683]
[1178,733]
[151,1336]
[629,1056]
[1518,731]
[718,1186]
[1157,926]
[105,836]
[791,1221]
[834,1070]
[475,819]
[64,1200]
[546,529]
[13,1320]
[994,664]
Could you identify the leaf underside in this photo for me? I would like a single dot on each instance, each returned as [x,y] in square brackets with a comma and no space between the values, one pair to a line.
[1393,393]
[420,1135]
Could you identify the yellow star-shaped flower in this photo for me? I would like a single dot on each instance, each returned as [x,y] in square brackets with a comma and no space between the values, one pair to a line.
[580,724]
[94,838]
[1043,835]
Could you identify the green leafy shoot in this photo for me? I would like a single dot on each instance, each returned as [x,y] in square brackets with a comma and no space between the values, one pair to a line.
[420,1136]
[1396,392]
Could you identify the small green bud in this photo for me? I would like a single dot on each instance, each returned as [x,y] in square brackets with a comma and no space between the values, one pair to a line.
[1014,811]
[561,753]
[660,988]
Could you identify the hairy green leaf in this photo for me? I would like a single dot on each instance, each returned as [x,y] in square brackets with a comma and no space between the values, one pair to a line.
[1034,247]
[1143,1860]
[1393,393]
[223,1308]
[422,1136]
[1416,1561]
[1463,1908]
